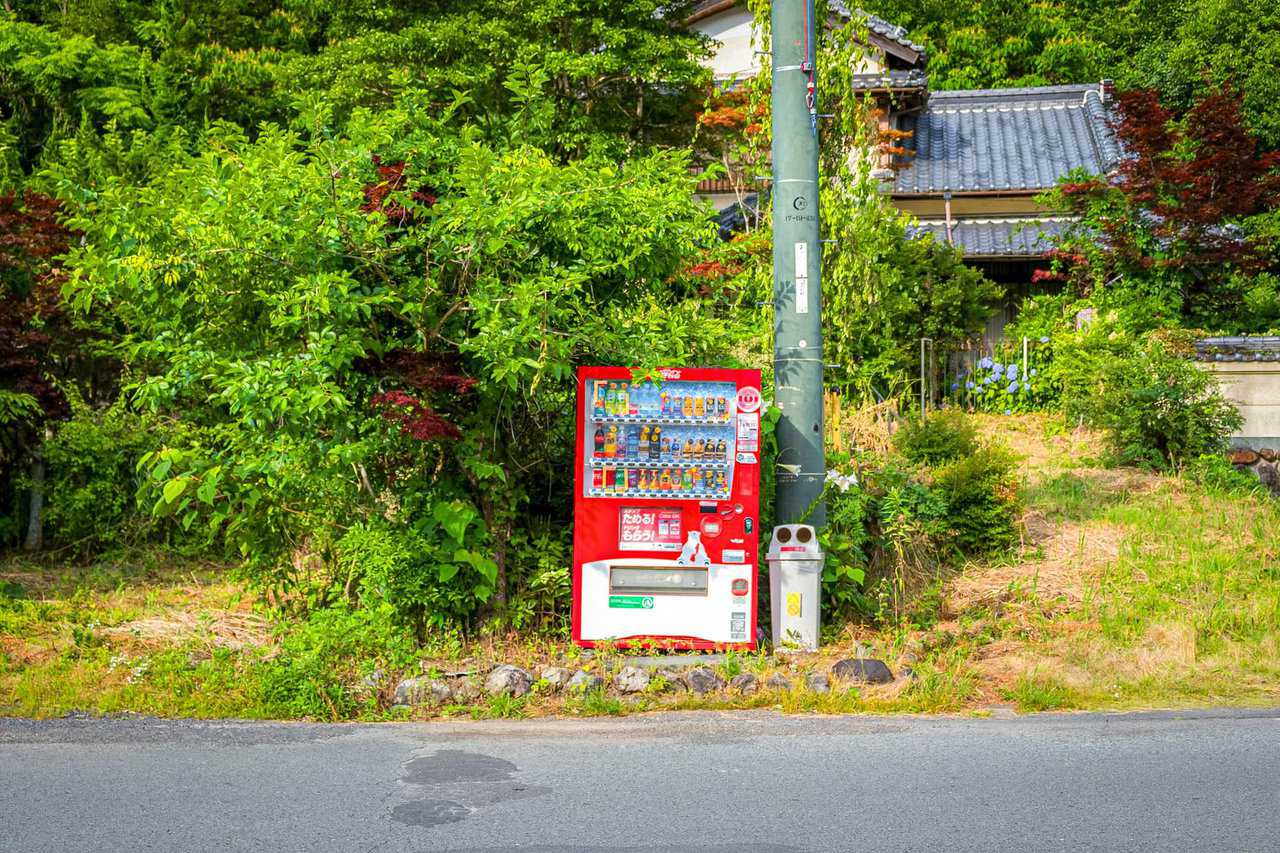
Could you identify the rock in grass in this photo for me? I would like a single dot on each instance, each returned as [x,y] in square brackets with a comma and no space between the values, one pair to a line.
[672,679]
[744,682]
[582,681]
[632,679]
[862,671]
[508,680]
[422,691]
[702,679]
[465,690]
[778,681]
[556,677]
[818,683]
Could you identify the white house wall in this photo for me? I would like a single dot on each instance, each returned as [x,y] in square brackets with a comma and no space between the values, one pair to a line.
[732,31]
[1254,388]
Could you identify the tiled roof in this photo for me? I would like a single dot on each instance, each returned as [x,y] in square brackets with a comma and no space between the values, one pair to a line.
[734,218]
[912,78]
[1005,139]
[1003,237]
[877,25]
[1260,348]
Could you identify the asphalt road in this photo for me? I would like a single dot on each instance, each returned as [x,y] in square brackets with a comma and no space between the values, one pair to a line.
[700,782]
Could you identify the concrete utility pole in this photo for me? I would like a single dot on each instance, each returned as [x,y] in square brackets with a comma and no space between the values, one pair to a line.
[797,292]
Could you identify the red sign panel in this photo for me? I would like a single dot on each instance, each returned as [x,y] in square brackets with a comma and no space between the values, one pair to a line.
[649,529]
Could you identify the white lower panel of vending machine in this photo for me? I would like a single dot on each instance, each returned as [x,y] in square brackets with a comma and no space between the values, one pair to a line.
[696,607]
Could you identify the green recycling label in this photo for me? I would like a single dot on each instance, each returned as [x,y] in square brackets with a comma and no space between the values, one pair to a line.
[632,602]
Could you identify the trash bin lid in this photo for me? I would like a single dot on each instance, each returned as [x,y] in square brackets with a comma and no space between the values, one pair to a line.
[794,542]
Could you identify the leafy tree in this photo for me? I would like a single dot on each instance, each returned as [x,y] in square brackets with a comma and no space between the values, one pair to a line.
[883,288]
[42,351]
[1185,228]
[1205,44]
[377,331]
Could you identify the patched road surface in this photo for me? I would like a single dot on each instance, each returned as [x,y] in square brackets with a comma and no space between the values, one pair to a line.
[672,782]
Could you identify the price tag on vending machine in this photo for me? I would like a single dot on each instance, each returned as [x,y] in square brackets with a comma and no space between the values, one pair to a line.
[649,529]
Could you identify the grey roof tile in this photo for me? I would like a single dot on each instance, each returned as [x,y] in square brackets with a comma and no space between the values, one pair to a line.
[1005,139]
[1004,237]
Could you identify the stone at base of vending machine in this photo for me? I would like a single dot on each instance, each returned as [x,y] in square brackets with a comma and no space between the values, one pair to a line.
[583,681]
[509,680]
[862,671]
[703,680]
[632,679]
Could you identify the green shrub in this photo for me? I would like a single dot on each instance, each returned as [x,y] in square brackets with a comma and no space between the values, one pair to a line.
[1157,407]
[430,573]
[92,461]
[940,437]
[1216,473]
[845,540]
[324,654]
[981,491]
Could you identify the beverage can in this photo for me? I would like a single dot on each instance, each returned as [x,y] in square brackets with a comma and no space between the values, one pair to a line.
[633,479]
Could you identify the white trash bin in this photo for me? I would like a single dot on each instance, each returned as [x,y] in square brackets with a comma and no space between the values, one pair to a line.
[795,586]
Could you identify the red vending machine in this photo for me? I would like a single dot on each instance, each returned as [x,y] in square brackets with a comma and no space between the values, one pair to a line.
[666,508]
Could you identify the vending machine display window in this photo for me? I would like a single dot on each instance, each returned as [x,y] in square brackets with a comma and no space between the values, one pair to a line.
[659,440]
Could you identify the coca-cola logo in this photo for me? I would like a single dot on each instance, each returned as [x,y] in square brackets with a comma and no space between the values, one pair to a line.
[748,399]
[669,373]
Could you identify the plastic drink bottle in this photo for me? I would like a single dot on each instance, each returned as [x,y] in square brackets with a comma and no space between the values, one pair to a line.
[688,448]
[599,443]
[686,409]
[611,442]
[642,446]
[597,398]
[688,479]
[699,449]
[655,444]
[699,407]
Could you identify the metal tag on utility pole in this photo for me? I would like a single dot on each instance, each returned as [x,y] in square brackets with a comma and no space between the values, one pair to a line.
[802,278]
[797,290]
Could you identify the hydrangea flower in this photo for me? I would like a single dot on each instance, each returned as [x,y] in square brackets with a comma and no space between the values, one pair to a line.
[997,369]
[1008,411]
[1013,387]
[955,386]
[969,385]
[1032,372]
[1012,372]
[1045,339]
[986,362]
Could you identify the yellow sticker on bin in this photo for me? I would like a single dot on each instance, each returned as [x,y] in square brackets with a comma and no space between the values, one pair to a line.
[793,604]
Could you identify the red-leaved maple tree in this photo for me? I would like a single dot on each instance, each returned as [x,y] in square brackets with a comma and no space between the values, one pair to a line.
[1176,212]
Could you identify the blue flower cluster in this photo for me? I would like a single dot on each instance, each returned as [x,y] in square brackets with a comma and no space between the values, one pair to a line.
[994,383]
